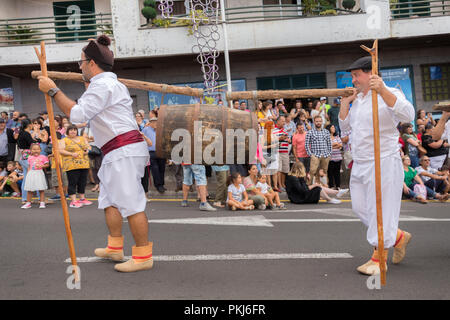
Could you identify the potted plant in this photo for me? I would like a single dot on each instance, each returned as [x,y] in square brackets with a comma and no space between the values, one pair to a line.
[348,4]
[149,10]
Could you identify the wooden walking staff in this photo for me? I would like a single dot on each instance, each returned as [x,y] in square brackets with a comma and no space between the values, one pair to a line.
[376,144]
[48,101]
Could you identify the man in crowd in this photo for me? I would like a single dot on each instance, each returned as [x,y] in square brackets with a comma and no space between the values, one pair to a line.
[324,104]
[318,148]
[333,115]
[157,165]
[7,142]
[436,180]
[195,172]
[393,108]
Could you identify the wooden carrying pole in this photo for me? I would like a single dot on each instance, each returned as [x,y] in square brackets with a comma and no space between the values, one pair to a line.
[288,94]
[134,84]
[43,62]
[376,144]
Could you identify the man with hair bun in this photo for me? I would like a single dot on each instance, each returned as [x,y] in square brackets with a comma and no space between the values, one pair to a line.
[107,106]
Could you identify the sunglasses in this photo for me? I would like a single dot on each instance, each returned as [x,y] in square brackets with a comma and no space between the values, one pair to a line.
[80,62]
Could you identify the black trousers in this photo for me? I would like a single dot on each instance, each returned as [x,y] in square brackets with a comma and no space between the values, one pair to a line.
[334,174]
[158,168]
[146,179]
[77,181]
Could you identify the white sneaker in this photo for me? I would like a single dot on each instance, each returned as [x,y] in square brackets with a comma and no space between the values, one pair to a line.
[334,201]
[26,206]
[341,193]
[42,205]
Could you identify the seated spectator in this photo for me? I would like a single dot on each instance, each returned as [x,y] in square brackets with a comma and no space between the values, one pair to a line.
[9,180]
[197,172]
[412,143]
[268,193]
[237,196]
[254,194]
[413,186]
[299,192]
[436,180]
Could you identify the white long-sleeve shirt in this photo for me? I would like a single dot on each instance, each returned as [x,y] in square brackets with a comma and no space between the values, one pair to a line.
[359,121]
[107,106]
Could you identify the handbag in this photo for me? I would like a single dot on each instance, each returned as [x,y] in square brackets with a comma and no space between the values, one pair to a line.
[420,190]
[95,151]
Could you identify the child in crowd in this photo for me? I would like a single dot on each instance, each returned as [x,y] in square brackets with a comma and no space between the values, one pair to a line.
[268,193]
[237,196]
[10,181]
[35,180]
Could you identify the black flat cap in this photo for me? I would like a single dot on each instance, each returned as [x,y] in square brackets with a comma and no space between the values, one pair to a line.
[362,63]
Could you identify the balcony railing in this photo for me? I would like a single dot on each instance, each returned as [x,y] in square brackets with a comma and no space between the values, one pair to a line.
[60,28]
[252,13]
[419,8]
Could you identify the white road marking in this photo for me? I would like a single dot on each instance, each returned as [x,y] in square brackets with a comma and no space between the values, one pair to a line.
[408,219]
[251,221]
[225,257]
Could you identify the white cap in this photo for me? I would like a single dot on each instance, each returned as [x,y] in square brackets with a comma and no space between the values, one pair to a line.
[323,98]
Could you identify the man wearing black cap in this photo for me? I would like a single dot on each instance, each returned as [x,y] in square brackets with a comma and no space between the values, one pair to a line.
[392,108]
[106,105]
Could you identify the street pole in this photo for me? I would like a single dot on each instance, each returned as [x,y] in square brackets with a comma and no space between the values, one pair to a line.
[226,53]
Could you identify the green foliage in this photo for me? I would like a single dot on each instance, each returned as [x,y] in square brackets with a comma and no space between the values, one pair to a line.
[149,13]
[150,3]
[21,33]
[163,23]
[348,4]
[149,10]
[328,12]
[197,15]
[210,100]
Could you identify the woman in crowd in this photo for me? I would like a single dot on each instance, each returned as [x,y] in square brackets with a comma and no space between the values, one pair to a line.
[412,144]
[59,125]
[254,194]
[40,134]
[413,186]
[299,192]
[24,142]
[264,114]
[304,119]
[298,145]
[296,110]
[423,118]
[334,166]
[318,111]
[140,121]
[74,150]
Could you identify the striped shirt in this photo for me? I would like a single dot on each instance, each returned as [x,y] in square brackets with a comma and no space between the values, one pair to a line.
[318,143]
[336,154]
[284,145]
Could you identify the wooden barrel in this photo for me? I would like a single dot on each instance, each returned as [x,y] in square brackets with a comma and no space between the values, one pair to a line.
[205,139]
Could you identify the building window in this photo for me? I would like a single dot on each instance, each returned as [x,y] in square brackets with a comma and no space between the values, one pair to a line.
[75,20]
[301,81]
[436,81]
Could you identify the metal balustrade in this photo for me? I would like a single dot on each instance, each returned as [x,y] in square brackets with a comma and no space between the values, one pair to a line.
[60,28]
[419,8]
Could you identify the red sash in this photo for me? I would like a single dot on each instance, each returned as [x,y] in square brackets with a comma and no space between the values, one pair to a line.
[121,140]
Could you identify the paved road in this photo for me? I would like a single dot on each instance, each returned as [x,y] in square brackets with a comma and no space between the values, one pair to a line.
[306,252]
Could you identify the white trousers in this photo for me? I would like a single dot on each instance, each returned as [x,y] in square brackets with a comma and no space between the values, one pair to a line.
[121,187]
[362,191]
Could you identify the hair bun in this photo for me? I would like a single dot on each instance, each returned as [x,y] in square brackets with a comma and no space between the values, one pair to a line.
[104,40]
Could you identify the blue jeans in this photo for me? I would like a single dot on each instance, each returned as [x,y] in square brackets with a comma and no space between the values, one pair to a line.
[414,161]
[430,193]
